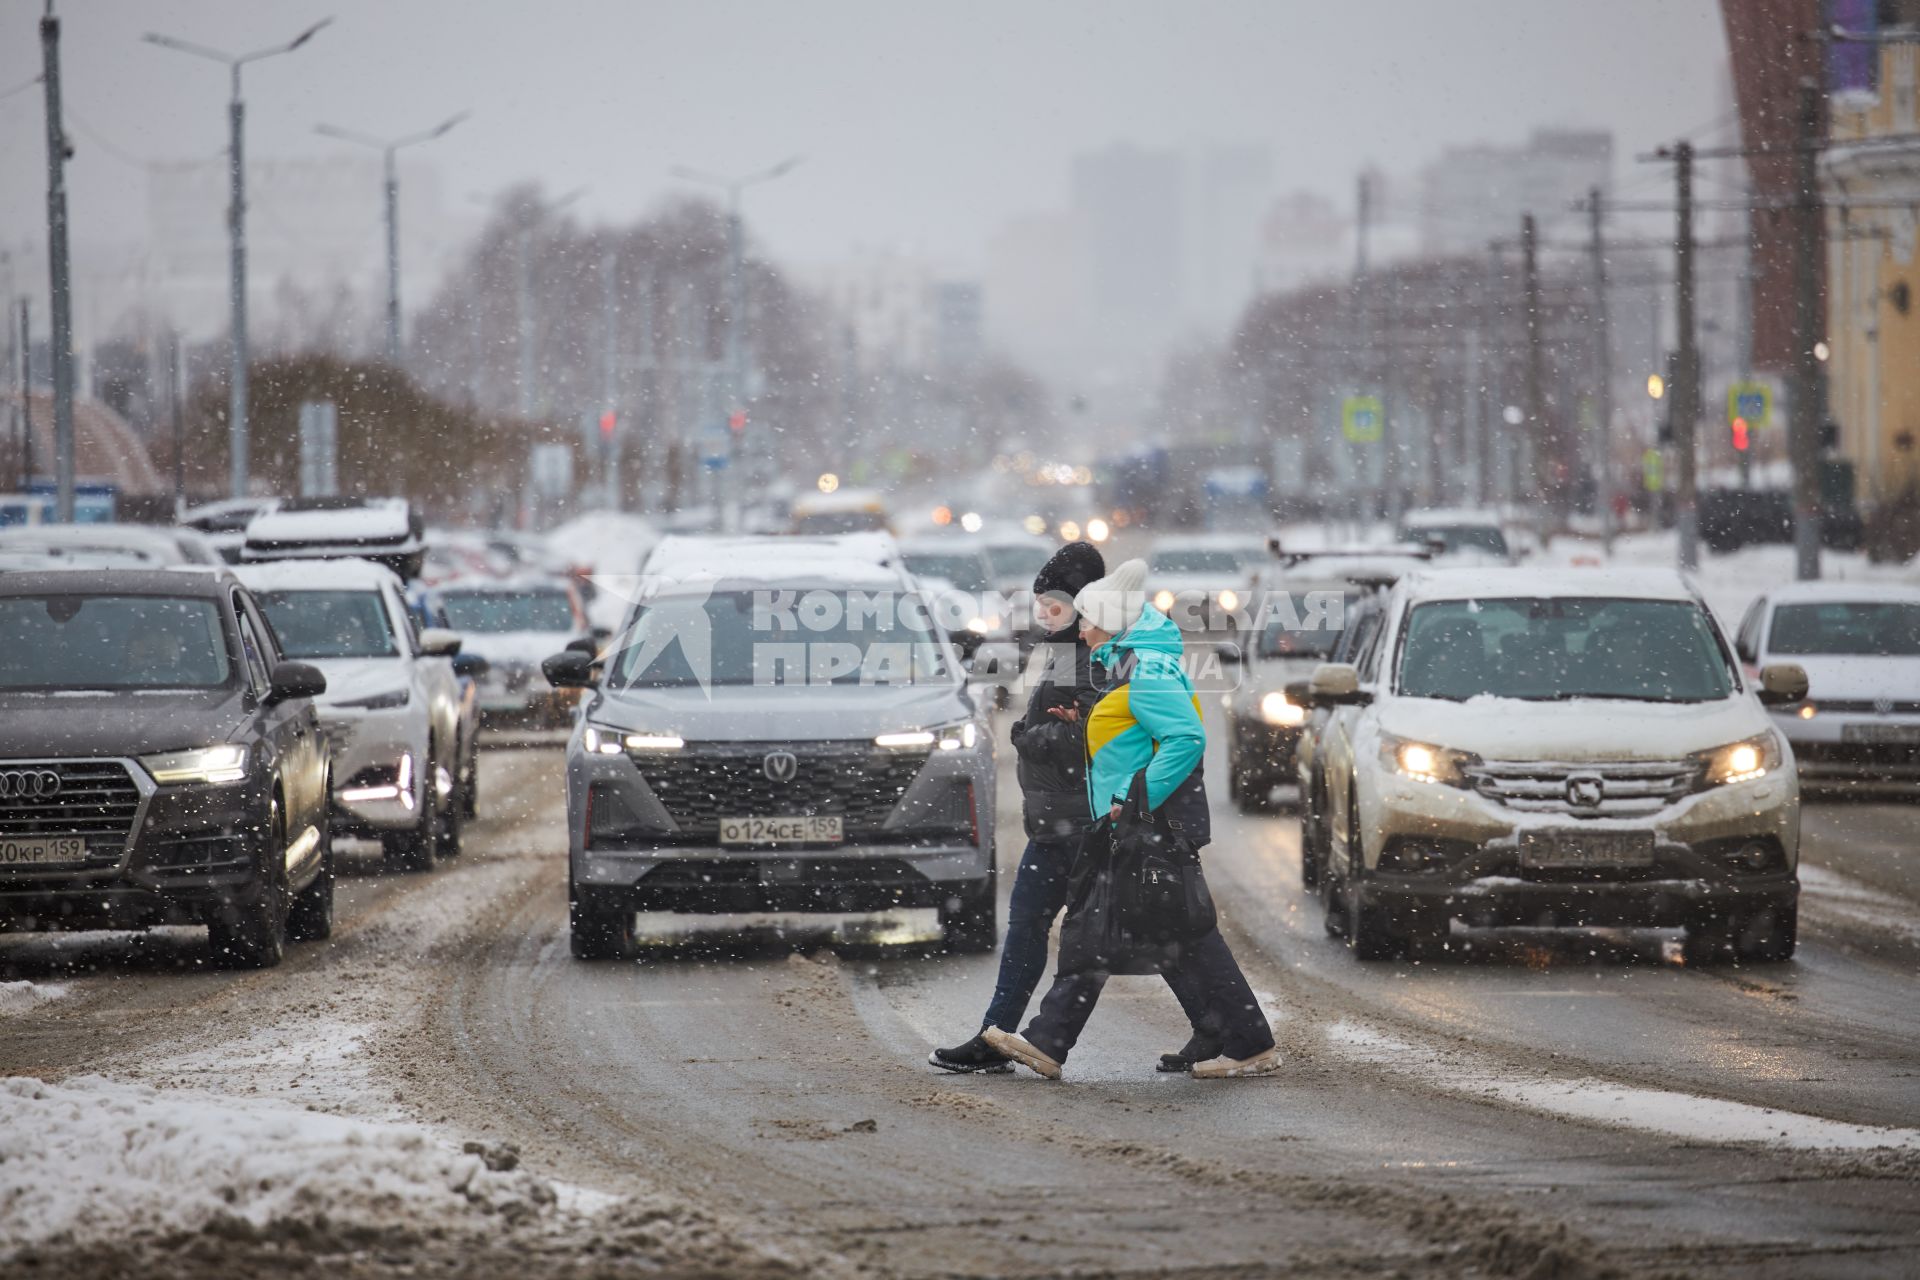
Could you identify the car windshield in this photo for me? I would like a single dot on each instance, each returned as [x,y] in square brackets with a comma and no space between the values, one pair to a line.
[1552,649]
[1309,626]
[822,522]
[77,642]
[1196,560]
[1459,537]
[1849,628]
[809,637]
[1018,560]
[329,624]
[965,570]
[492,611]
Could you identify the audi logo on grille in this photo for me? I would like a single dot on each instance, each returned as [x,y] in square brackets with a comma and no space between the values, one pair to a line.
[28,784]
[1585,791]
[780,766]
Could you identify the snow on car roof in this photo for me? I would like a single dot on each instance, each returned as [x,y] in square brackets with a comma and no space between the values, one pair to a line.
[385,521]
[1242,540]
[1843,593]
[1503,583]
[146,542]
[854,558]
[1452,515]
[510,585]
[942,544]
[344,574]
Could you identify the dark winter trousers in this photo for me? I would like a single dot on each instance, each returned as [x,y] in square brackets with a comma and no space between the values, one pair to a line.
[1207,982]
[1039,891]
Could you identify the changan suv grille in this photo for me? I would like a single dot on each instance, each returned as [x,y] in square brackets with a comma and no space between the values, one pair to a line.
[96,800]
[1627,789]
[704,782]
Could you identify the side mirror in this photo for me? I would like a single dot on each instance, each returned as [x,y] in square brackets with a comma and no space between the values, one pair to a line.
[438,643]
[1229,653]
[570,669]
[585,644]
[470,665]
[1336,684]
[1782,683]
[1298,692]
[294,680]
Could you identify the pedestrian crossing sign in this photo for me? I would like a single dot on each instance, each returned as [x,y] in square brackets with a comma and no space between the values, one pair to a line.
[1362,419]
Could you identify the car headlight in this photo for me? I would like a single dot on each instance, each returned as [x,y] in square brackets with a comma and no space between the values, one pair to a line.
[982,624]
[1163,600]
[1275,709]
[961,735]
[1229,600]
[1424,762]
[605,740]
[224,763]
[380,701]
[1741,761]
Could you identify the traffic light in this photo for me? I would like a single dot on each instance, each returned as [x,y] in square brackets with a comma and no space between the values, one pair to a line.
[738,421]
[1740,440]
[608,422]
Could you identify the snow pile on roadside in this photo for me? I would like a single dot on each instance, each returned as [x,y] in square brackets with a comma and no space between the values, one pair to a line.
[93,1158]
[23,997]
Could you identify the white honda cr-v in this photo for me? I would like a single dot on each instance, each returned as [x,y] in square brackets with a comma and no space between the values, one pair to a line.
[1524,748]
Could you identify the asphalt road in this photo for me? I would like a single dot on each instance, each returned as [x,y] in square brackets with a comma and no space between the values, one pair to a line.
[1539,1104]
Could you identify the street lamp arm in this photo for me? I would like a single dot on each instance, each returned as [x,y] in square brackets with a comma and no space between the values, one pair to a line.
[188,46]
[349,135]
[428,135]
[687,174]
[289,46]
[785,166]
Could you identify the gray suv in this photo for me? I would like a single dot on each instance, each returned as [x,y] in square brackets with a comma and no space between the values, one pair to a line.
[780,725]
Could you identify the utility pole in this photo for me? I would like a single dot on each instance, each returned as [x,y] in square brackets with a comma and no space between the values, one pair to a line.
[387,148]
[1536,378]
[1685,391]
[1808,421]
[1363,219]
[523,316]
[26,394]
[609,388]
[58,270]
[177,389]
[1603,349]
[237,440]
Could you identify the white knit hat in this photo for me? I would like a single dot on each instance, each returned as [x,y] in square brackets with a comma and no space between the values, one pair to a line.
[1113,603]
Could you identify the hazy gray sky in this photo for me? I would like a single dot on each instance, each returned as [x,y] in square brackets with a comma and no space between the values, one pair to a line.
[921,124]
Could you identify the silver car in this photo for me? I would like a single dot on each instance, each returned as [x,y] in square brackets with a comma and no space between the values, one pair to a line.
[777,734]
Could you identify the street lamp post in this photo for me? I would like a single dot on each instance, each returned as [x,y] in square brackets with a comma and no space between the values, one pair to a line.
[387,147]
[736,300]
[237,232]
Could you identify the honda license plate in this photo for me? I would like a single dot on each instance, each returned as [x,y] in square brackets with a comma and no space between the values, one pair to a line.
[1586,848]
[1880,733]
[42,853]
[809,830]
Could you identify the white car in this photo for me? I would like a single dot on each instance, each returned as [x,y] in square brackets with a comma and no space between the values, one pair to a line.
[1522,748]
[1458,537]
[392,711]
[104,546]
[1203,581]
[1859,728]
[516,624]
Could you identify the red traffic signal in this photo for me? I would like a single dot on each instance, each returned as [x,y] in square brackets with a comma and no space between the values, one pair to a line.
[738,420]
[1740,439]
[608,421]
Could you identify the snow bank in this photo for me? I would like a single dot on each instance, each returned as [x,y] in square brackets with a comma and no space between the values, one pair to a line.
[21,997]
[94,1158]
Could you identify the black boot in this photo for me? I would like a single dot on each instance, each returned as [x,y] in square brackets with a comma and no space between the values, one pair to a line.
[1199,1049]
[975,1055]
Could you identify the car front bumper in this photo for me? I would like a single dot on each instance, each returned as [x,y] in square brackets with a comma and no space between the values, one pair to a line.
[192,849]
[1473,866]
[1833,751]
[368,748]
[1265,750]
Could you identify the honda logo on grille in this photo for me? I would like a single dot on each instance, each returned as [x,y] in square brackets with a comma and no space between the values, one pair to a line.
[28,784]
[1585,791]
[780,766]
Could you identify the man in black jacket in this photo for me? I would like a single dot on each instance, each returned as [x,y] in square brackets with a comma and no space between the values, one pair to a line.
[1051,762]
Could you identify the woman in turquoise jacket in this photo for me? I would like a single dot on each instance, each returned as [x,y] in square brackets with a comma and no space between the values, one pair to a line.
[1148,720]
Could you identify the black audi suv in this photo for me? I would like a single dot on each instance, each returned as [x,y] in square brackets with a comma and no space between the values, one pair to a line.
[159,762]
